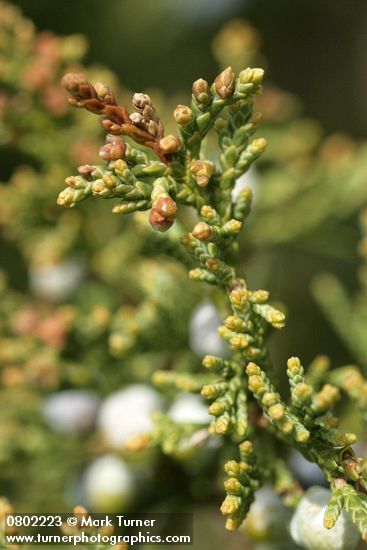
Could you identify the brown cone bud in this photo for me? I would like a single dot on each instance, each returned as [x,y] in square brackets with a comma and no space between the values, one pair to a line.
[202,231]
[78,86]
[158,222]
[111,127]
[202,171]
[86,170]
[170,144]
[224,83]
[71,81]
[166,207]
[182,114]
[114,149]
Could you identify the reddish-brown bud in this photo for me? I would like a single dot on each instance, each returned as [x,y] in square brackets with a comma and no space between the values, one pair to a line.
[158,222]
[166,207]
[112,127]
[86,170]
[71,81]
[114,149]
[77,85]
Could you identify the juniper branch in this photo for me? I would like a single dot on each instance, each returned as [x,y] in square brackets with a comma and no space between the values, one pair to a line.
[244,400]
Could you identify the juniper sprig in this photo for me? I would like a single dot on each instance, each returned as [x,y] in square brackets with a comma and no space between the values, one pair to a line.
[246,407]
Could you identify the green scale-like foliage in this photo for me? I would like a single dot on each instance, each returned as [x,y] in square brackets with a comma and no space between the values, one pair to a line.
[244,401]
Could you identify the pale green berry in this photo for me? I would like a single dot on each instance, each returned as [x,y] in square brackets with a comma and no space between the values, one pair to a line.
[307,525]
